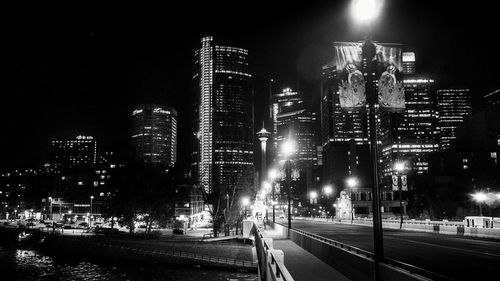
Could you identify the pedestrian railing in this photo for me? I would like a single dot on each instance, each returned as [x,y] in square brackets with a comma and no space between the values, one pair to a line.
[271,268]
[172,253]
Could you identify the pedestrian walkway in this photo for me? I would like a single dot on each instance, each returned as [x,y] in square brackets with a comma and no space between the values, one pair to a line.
[302,265]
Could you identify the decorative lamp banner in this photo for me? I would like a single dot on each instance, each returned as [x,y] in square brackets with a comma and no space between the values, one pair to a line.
[404,183]
[394,182]
[391,94]
[347,60]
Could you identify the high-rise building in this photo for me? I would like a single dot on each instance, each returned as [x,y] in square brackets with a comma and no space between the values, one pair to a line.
[413,135]
[453,106]
[223,150]
[291,118]
[73,153]
[493,98]
[409,63]
[154,134]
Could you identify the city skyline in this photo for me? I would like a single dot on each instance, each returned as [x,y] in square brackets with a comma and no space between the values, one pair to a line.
[70,83]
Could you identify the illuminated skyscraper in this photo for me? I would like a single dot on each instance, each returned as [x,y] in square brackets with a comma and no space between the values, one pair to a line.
[409,63]
[453,106]
[413,134]
[292,118]
[154,134]
[77,153]
[223,151]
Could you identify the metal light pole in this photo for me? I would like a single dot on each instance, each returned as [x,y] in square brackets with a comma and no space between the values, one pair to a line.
[352,182]
[399,168]
[365,11]
[91,198]
[480,197]
[288,170]
[327,190]
[272,174]
[51,215]
[287,149]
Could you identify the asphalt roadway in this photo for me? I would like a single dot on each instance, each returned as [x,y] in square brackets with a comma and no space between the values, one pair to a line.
[458,257]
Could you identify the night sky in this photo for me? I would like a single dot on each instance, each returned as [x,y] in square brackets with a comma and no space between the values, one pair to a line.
[81,70]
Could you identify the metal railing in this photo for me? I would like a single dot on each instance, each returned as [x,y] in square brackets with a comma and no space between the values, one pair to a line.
[277,269]
[171,253]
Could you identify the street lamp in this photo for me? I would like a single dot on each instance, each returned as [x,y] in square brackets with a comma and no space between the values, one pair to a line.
[91,198]
[399,167]
[51,215]
[365,11]
[327,190]
[287,149]
[272,175]
[480,197]
[352,183]
[245,201]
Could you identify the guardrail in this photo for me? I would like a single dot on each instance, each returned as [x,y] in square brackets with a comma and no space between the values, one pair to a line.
[441,227]
[271,267]
[167,253]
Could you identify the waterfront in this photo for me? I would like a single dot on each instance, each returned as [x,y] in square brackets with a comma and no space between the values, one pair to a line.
[20,264]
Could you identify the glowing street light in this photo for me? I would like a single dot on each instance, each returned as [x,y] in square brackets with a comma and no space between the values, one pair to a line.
[399,167]
[245,201]
[480,197]
[273,174]
[328,190]
[352,183]
[287,149]
[365,11]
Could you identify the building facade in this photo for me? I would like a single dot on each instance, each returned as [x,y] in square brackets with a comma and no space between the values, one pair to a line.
[154,134]
[223,117]
[414,134]
[453,106]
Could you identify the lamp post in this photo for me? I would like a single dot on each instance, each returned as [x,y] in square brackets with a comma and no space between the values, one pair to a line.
[352,183]
[51,216]
[480,197]
[273,174]
[91,198]
[245,201]
[399,167]
[287,149]
[365,11]
[327,190]
[313,195]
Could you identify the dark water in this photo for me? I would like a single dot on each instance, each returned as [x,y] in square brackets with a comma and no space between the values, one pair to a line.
[17,264]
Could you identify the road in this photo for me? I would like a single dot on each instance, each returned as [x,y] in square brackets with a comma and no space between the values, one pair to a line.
[457,257]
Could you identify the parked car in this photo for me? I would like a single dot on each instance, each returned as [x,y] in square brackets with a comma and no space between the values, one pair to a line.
[30,223]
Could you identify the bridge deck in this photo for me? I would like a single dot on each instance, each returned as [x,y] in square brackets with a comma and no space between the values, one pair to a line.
[302,265]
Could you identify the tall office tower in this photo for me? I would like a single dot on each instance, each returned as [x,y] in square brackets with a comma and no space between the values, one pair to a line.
[453,106]
[154,134]
[67,154]
[223,107]
[409,63]
[414,132]
[292,119]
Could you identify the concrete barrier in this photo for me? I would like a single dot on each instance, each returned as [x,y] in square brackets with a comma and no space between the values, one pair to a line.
[353,266]
[441,227]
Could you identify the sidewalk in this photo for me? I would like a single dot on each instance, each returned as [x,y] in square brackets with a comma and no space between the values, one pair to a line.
[302,265]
